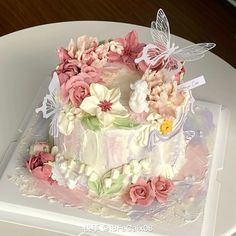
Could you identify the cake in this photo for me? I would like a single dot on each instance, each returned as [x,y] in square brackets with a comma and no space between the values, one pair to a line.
[117,109]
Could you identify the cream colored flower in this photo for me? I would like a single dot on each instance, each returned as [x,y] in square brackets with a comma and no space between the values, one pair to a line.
[85,43]
[66,119]
[164,97]
[116,47]
[155,118]
[104,104]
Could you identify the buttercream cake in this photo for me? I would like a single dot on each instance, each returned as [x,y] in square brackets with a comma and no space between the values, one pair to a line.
[117,109]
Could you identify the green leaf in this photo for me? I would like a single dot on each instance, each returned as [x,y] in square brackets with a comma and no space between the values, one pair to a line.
[116,186]
[125,122]
[90,122]
[95,186]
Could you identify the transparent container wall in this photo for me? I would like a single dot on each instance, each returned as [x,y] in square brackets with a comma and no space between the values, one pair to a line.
[29,117]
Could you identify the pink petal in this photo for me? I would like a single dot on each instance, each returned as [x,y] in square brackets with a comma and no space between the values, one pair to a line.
[42,172]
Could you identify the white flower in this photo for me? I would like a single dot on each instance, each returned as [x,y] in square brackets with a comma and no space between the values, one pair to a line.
[126,169]
[54,150]
[155,118]
[88,170]
[115,174]
[134,178]
[138,100]
[145,163]
[104,104]
[81,168]
[107,182]
[134,163]
[116,47]
[93,177]
[66,119]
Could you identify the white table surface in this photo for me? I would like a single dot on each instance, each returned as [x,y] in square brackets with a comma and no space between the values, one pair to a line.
[27,57]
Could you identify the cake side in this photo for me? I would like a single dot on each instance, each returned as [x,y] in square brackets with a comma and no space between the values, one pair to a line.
[112,147]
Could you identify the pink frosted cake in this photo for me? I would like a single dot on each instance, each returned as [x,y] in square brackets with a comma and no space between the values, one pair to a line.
[117,110]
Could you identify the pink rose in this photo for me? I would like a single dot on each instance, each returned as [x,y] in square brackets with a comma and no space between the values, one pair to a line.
[132,48]
[38,166]
[161,187]
[90,74]
[75,89]
[68,67]
[140,193]
[67,70]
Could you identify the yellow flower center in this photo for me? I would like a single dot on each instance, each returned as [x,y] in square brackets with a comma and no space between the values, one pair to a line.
[166,127]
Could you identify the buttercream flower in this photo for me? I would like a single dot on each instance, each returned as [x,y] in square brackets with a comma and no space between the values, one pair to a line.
[67,118]
[75,89]
[88,51]
[164,97]
[90,74]
[96,57]
[161,188]
[39,147]
[68,67]
[63,55]
[132,48]
[140,193]
[72,48]
[116,47]
[84,45]
[104,104]
[166,127]
[39,167]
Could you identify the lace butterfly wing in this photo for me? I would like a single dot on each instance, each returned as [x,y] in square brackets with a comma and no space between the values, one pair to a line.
[50,104]
[192,52]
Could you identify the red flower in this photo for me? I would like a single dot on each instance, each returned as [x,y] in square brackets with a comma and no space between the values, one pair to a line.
[140,193]
[161,187]
[38,166]
[132,48]
[75,89]
[68,67]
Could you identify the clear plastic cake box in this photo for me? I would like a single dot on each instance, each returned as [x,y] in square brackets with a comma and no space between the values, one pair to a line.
[51,215]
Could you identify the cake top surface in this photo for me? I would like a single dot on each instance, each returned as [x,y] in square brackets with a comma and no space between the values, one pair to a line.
[122,83]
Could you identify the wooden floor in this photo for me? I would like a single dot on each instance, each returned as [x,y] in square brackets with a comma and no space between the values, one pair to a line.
[195,20]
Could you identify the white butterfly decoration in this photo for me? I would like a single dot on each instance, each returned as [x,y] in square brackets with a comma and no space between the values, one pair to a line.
[51,105]
[162,50]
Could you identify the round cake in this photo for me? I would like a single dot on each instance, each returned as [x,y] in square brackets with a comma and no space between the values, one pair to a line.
[117,109]
[115,117]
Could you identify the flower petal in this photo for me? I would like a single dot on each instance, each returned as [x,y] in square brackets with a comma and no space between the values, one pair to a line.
[113,95]
[118,110]
[90,105]
[98,91]
[105,118]
[65,126]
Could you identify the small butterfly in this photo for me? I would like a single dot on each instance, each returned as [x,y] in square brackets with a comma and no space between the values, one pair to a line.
[163,52]
[51,106]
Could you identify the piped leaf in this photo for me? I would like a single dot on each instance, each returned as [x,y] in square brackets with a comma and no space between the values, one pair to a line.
[95,186]
[117,185]
[125,122]
[90,122]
